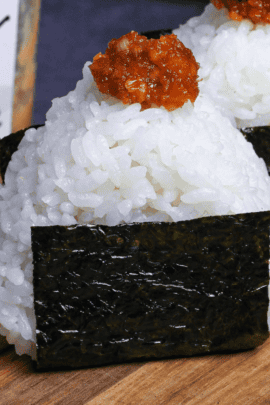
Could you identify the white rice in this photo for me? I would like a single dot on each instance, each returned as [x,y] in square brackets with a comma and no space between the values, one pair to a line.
[234,60]
[99,161]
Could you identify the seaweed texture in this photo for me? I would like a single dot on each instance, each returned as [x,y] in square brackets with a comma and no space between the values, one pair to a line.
[145,291]
[156,34]
[8,145]
[260,139]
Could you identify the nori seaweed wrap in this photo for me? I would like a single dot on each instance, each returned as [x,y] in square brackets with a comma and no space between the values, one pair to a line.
[9,145]
[156,34]
[150,291]
[260,139]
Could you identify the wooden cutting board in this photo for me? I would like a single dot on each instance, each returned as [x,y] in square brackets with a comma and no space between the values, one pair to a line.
[234,379]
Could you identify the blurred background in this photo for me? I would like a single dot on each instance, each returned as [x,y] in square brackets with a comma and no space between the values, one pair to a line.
[44,45]
[73,32]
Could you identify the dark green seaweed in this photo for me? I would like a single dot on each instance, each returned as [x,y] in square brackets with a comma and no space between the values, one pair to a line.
[9,145]
[156,34]
[137,292]
[260,139]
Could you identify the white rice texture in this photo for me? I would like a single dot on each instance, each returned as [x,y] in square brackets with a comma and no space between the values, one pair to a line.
[234,60]
[101,162]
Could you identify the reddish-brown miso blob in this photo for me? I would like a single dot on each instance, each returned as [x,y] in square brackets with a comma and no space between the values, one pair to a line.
[257,11]
[137,70]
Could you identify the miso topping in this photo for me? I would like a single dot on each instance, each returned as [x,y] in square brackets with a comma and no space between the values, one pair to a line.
[160,71]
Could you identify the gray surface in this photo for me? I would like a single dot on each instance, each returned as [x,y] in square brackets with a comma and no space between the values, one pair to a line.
[73,32]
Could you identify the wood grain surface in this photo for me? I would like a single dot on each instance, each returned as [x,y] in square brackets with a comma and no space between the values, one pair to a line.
[233,379]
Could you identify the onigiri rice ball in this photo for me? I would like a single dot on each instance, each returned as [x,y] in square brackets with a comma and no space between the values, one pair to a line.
[234,58]
[98,161]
